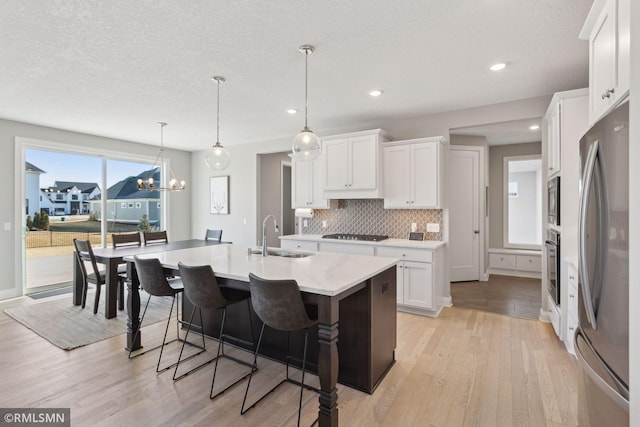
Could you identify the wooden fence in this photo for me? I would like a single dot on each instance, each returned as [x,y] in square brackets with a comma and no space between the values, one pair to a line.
[42,239]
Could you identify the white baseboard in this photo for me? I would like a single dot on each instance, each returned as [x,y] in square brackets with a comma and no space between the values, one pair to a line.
[447,301]
[515,273]
[544,316]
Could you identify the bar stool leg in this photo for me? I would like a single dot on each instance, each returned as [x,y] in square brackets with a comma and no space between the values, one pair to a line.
[255,364]
[304,361]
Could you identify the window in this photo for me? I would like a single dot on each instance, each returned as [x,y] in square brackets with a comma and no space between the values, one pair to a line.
[130,205]
[158,205]
[522,202]
[59,196]
[123,205]
[138,205]
[74,197]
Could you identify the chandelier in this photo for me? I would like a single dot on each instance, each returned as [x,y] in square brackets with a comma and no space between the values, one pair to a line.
[306,144]
[149,183]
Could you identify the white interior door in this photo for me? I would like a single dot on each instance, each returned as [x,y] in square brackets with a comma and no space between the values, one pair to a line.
[464,228]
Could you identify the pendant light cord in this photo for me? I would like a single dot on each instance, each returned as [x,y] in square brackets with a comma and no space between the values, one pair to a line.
[218,119]
[306,96]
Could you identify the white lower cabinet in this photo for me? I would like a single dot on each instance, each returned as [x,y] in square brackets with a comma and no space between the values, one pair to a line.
[299,245]
[418,277]
[415,279]
[515,262]
[419,271]
[346,249]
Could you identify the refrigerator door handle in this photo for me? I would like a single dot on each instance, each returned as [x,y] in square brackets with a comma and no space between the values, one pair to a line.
[614,395]
[587,178]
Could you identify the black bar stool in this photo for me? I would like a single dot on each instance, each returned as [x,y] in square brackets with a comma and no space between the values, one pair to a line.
[279,305]
[155,283]
[201,288]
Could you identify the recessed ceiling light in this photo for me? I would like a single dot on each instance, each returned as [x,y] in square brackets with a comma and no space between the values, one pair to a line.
[534,127]
[292,111]
[375,92]
[497,67]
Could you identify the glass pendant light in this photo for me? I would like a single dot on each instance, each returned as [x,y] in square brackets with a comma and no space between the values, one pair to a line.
[306,144]
[218,157]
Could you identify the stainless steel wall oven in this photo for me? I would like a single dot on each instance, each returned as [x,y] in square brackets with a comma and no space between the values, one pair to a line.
[553,201]
[552,246]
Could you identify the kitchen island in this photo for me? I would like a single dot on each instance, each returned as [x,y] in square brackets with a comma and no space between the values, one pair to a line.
[355,301]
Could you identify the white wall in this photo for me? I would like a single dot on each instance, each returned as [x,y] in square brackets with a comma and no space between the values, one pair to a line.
[634,222]
[10,241]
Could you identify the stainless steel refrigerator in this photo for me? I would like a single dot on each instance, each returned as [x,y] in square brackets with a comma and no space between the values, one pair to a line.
[602,340]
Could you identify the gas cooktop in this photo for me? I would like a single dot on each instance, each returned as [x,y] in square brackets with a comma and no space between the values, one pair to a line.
[366,237]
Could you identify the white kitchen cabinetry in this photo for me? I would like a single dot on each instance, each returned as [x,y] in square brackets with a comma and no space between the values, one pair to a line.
[353,165]
[413,173]
[553,138]
[515,262]
[565,121]
[607,28]
[572,110]
[418,279]
[346,249]
[299,245]
[307,184]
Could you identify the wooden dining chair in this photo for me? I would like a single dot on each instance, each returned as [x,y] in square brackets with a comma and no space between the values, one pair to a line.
[215,235]
[124,240]
[153,237]
[84,254]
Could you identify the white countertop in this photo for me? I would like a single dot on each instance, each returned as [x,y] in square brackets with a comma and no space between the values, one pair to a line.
[403,243]
[321,273]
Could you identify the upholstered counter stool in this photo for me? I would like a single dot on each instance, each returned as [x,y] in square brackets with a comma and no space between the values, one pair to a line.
[278,303]
[156,284]
[201,288]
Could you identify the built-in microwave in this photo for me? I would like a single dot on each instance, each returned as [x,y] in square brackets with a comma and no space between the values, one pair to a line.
[553,201]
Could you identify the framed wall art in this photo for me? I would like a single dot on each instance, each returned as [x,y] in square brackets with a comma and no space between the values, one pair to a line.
[219,190]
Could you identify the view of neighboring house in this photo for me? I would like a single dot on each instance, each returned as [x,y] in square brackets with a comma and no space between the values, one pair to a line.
[68,198]
[127,204]
[33,195]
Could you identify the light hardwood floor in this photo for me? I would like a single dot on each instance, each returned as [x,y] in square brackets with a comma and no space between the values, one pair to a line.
[466,367]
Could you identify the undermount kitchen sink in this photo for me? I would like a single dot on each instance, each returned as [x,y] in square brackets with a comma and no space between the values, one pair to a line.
[282,253]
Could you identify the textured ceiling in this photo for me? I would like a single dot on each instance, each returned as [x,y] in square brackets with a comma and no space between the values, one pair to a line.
[115,68]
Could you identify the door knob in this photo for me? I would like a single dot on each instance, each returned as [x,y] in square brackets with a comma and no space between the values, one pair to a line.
[476,231]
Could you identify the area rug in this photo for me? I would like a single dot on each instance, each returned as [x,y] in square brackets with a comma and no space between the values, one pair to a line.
[69,326]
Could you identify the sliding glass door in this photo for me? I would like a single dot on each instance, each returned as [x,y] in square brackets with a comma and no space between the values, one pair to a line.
[73,195]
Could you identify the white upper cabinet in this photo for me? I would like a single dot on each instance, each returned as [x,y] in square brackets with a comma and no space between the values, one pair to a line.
[413,173]
[608,30]
[553,138]
[307,185]
[353,165]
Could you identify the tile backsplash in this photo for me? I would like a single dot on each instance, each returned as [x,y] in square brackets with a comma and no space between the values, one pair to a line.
[370,217]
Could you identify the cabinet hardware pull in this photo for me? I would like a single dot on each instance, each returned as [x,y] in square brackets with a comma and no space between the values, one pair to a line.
[607,93]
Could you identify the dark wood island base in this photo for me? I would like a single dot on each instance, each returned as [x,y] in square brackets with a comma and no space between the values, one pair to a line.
[363,340]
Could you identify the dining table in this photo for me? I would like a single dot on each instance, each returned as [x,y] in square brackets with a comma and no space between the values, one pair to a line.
[111,258]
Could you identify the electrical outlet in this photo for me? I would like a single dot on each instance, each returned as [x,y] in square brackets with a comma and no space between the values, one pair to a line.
[324,224]
[305,223]
[244,221]
[433,227]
